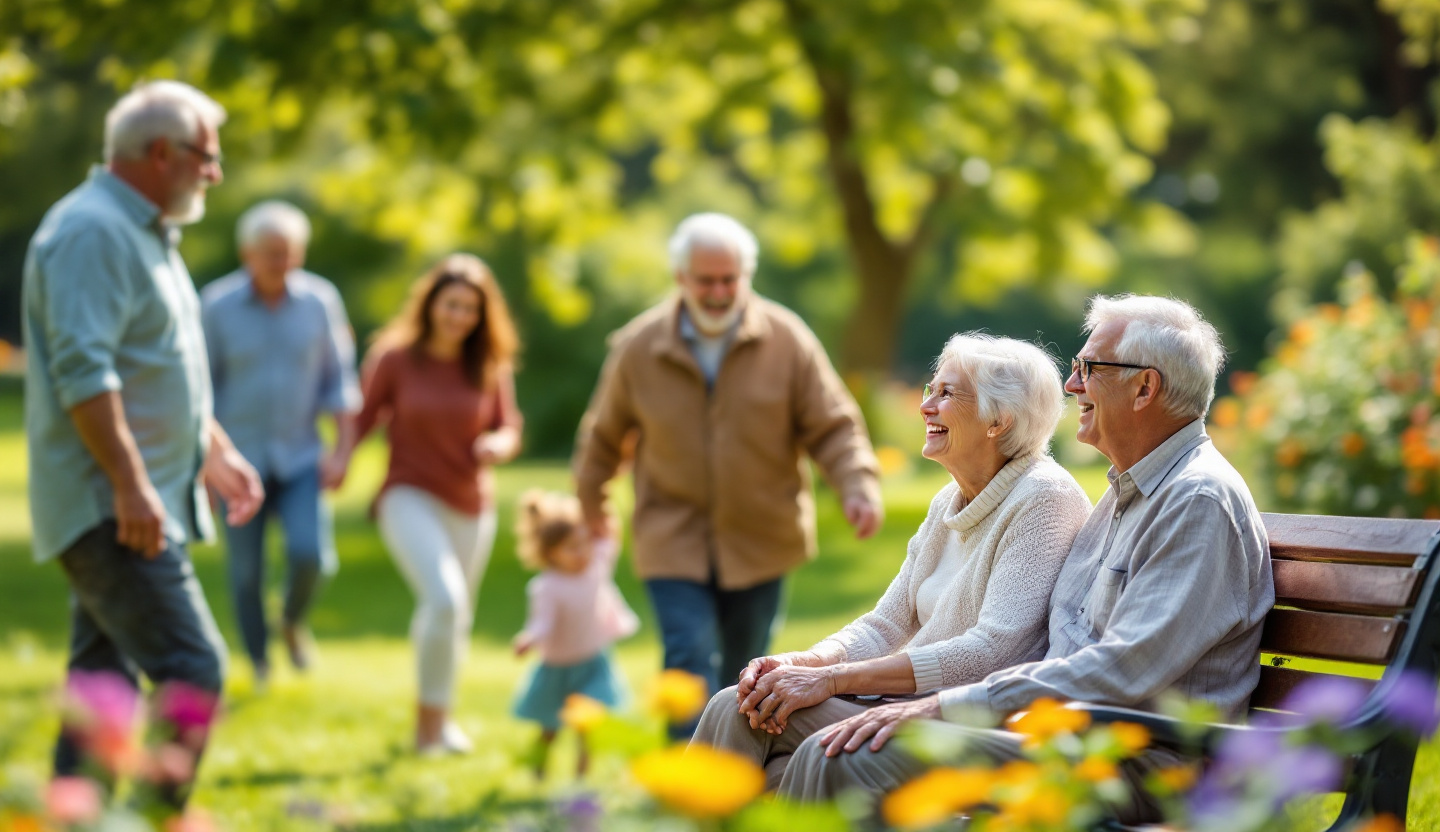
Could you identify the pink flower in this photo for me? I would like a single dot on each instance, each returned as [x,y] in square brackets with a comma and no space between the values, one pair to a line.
[72,800]
[193,820]
[186,707]
[101,699]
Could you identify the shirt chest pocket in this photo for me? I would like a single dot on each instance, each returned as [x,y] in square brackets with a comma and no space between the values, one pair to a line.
[1100,602]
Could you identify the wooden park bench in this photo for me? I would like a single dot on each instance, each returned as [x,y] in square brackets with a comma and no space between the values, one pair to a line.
[1347,589]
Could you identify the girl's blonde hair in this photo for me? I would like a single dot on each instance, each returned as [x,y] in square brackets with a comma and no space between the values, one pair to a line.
[544,520]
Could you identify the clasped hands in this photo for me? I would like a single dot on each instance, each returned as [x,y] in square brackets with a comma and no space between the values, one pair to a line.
[771,688]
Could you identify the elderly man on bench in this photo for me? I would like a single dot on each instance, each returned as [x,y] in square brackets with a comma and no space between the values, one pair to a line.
[1165,587]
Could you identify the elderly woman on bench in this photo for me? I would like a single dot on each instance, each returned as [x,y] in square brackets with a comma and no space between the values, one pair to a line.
[973,592]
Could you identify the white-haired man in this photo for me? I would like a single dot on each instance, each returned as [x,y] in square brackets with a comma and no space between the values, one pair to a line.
[725,392]
[281,354]
[1165,587]
[118,404]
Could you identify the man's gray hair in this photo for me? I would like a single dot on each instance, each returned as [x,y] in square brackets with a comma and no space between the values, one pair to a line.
[1016,383]
[712,230]
[158,110]
[1171,336]
[273,217]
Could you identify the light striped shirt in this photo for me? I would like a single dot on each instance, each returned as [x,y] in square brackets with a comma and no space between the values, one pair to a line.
[1165,589]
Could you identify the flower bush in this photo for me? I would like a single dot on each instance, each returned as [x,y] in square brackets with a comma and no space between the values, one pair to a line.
[1344,417]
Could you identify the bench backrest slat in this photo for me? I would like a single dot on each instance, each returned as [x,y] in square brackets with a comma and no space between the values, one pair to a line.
[1345,587]
[1276,683]
[1374,540]
[1330,635]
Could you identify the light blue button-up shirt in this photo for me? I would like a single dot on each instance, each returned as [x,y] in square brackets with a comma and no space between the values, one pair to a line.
[276,370]
[110,307]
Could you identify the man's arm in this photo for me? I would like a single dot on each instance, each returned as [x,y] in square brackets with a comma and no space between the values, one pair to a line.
[231,477]
[599,446]
[832,431]
[139,512]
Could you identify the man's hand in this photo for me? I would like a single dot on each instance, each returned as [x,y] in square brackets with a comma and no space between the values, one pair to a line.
[784,690]
[234,480]
[333,469]
[140,519]
[602,526]
[864,515]
[880,722]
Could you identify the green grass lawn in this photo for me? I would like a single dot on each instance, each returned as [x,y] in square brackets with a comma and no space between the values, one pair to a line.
[330,748]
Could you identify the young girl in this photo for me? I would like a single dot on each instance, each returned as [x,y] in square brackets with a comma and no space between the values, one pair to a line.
[576,612]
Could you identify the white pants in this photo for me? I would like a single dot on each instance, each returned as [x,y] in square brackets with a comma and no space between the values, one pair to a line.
[442,554]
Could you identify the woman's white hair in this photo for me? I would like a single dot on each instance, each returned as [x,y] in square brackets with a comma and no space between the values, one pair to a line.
[158,110]
[1169,335]
[712,230]
[1017,384]
[273,217]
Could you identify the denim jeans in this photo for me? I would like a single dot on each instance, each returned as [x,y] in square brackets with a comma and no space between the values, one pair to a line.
[129,615]
[713,632]
[309,555]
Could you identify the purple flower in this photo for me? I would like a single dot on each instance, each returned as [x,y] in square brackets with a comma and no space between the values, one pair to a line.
[1330,699]
[101,699]
[1308,769]
[186,706]
[1242,751]
[1411,703]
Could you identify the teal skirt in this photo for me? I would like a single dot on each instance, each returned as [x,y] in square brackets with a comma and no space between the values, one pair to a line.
[545,690]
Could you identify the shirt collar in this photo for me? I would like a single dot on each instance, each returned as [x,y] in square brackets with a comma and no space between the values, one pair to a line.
[249,292]
[140,210]
[1149,472]
[690,333]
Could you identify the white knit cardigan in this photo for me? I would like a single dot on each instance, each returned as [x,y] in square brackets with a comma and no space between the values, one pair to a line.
[1014,537]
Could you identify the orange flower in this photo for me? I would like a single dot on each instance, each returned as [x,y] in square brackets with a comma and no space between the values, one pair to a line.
[1415,484]
[935,796]
[1302,332]
[1040,805]
[1226,413]
[1242,382]
[700,781]
[1257,416]
[581,712]
[1382,823]
[1017,772]
[1177,778]
[1096,769]
[679,695]
[1046,718]
[1417,314]
[1290,453]
[1133,738]
[1351,444]
[1331,312]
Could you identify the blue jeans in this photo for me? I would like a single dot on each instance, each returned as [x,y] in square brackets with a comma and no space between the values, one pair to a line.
[309,555]
[713,632]
[129,615]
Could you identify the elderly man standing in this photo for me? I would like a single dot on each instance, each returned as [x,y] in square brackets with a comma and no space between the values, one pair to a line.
[1164,589]
[281,354]
[117,405]
[724,391]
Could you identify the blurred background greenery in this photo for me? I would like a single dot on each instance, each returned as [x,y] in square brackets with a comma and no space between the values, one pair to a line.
[912,167]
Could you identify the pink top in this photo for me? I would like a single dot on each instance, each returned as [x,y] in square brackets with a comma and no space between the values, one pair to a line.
[433,417]
[574,617]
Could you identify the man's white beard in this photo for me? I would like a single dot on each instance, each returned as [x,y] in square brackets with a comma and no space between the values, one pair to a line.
[190,208]
[713,323]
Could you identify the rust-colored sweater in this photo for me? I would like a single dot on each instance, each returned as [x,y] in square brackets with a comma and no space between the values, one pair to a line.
[433,416]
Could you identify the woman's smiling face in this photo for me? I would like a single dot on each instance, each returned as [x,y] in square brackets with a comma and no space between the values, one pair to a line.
[953,427]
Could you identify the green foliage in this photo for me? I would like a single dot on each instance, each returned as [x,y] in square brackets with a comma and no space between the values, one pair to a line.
[1344,418]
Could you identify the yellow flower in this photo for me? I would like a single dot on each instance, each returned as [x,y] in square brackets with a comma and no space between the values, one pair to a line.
[1133,738]
[1045,719]
[892,460]
[1040,805]
[936,795]
[1017,772]
[1096,769]
[1226,413]
[581,712]
[699,781]
[1177,778]
[679,695]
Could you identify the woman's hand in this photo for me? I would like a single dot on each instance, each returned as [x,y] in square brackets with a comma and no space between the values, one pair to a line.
[880,722]
[784,690]
[496,447]
[759,667]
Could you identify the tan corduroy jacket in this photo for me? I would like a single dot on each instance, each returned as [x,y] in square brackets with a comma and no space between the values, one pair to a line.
[720,480]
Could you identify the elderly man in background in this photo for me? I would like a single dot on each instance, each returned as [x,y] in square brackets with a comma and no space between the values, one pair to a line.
[1164,589]
[118,408]
[725,392]
[281,354]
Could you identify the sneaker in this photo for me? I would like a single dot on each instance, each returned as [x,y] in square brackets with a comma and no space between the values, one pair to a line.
[453,737]
[300,646]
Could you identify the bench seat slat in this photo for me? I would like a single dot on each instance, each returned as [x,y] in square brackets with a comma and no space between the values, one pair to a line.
[1344,587]
[1375,540]
[1330,635]
[1277,682]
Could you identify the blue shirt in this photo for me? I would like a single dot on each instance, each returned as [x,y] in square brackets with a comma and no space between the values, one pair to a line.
[276,370]
[109,307]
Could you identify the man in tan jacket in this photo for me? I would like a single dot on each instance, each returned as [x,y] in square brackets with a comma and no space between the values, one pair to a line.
[723,392]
